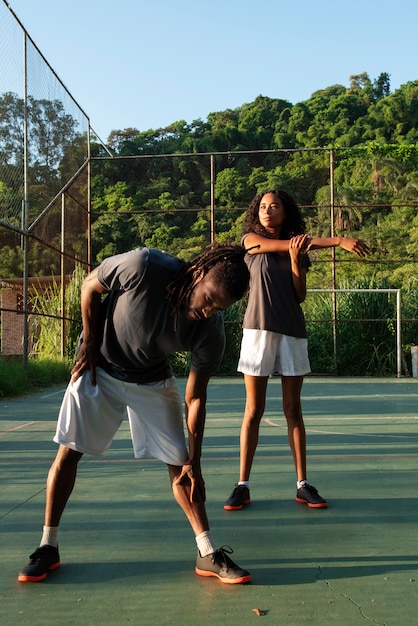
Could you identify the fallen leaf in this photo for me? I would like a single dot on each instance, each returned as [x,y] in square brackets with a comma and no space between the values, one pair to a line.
[258,611]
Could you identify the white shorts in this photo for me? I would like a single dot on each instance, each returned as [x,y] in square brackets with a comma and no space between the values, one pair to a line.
[90,416]
[264,353]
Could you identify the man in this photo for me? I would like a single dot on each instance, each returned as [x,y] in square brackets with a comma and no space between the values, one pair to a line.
[155,305]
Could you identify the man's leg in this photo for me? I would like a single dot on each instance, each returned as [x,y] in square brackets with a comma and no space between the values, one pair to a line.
[211,561]
[59,486]
[194,511]
[60,483]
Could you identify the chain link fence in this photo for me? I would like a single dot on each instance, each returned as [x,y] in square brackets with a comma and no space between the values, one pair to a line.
[66,202]
[44,189]
[182,202]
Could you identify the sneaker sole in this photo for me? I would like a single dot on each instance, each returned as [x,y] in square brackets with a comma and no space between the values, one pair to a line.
[238,507]
[228,581]
[321,505]
[24,578]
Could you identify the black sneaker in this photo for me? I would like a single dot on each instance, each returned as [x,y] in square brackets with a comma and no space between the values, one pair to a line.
[237,499]
[220,565]
[310,496]
[43,560]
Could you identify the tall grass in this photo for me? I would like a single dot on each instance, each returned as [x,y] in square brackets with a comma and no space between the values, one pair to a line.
[364,347]
[17,380]
[45,364]
[180,361]
[233,331]
[365,330]
[73,311]
[46,324]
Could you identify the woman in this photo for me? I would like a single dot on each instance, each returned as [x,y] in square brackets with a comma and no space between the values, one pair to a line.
[274,332]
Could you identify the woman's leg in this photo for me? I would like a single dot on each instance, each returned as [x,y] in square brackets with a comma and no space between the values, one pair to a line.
[291,390]
[256,388]
[292,408]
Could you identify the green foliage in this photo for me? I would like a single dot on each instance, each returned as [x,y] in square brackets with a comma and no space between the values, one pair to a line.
[11,261]
[166,201]
[16,380]
[318,314]
[409,317]
[73,313]
[46,324]
[13,378]
[233,331]
[366,333]
[180,361]
[365,339]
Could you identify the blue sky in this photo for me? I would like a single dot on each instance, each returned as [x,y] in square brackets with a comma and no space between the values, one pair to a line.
[148,63]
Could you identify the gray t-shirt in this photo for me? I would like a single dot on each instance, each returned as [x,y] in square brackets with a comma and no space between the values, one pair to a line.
[272,303]
[139,329]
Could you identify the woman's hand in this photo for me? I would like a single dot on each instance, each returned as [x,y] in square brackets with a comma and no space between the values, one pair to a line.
[356,246]
[298,246]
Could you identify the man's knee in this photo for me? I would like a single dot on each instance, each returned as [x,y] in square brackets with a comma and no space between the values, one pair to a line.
[66,458]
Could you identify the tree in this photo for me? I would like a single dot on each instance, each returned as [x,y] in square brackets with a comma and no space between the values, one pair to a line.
[120,140]
[381,86]
[258,121]
[361,83]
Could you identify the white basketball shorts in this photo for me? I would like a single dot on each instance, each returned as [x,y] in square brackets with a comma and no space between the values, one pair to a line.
[90,415]
[264,353]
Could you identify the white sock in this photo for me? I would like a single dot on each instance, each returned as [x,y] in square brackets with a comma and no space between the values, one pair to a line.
[49,536]
[244,483]
[205,543]
[301,483]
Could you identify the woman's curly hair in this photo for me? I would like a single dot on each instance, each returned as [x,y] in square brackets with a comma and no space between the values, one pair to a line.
[227,266]
[293,225]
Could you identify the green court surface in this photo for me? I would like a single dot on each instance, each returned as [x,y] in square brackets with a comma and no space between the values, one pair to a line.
[128,553]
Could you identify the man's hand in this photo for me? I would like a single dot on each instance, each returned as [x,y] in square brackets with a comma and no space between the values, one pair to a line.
[191,479]
[88,358]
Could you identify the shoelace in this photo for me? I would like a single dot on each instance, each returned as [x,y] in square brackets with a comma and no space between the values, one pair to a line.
[42,552]
[239,488]
[311,489]
[224,551]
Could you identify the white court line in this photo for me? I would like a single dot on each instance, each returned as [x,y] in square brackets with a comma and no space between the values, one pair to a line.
[330,432]
[49,395]
[9,430]
[333,419]
[362,418]
[384,396]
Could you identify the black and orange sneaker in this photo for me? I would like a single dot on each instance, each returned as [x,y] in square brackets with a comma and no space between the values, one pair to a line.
[42,561]
[220,565]
[310,496]
[237,499]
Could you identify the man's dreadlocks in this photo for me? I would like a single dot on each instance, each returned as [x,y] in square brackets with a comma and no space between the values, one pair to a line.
[227,266]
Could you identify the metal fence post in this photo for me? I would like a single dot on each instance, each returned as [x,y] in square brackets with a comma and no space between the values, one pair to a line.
[333,266]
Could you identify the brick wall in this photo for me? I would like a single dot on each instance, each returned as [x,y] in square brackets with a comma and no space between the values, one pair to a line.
[11,323]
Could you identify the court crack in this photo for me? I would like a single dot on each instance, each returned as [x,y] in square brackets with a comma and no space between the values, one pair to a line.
[351,600]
